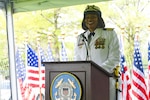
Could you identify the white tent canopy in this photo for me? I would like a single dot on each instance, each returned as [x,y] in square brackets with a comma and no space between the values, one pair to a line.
[32,5]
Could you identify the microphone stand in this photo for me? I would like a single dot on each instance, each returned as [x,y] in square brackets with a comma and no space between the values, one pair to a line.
[86,46]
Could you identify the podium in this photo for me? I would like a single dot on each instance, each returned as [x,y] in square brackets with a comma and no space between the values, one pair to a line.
[92,78]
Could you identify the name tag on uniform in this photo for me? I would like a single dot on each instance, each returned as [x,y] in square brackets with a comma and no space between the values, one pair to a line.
[80,43]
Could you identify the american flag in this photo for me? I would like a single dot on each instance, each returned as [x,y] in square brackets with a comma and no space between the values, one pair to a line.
[49,53]
[33,70]
[21,76]
[125,76]
[21,73]
[149,70]
[63,52]
[139,89]
[42,67]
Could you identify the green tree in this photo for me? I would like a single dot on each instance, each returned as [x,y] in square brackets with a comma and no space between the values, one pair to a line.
[130,15]
[48,22]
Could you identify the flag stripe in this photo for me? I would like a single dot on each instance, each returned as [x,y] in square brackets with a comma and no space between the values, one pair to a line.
[33,71]
[143,92]
[137,95]
[33,85]
[140,79]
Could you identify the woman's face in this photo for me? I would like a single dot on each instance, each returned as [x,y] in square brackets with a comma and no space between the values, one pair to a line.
[91,21]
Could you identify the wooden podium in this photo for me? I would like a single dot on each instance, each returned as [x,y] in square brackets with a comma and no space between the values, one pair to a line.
[94,80]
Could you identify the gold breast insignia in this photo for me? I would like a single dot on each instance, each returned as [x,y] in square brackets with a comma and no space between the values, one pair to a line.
[100,43]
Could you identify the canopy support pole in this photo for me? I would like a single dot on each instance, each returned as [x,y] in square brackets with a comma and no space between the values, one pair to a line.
[11,50]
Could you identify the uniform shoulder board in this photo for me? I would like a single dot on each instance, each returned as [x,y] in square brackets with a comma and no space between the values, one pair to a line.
[109,29]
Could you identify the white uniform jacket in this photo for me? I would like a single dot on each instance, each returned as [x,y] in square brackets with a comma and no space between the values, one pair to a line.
[103,48]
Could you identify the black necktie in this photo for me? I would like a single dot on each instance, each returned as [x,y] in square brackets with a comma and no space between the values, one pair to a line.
[90,36]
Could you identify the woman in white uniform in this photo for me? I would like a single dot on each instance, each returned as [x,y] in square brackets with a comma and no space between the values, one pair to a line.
[97,43]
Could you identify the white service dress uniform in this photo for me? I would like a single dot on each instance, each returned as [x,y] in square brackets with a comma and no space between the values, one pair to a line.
[103,50]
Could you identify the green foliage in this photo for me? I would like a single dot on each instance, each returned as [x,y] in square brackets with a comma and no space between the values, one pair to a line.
[130,15]
[54,22]
[4,66]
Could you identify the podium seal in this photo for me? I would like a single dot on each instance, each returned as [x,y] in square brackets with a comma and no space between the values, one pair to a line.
[65,86]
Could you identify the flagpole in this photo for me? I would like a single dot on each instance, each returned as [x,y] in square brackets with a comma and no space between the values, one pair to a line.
[49,51]
[26,42]
[148,63]
[49,39]
[122,39]
[39,63]
[137,33]
[122,51]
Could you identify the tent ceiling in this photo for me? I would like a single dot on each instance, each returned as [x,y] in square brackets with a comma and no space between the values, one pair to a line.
[32,5]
